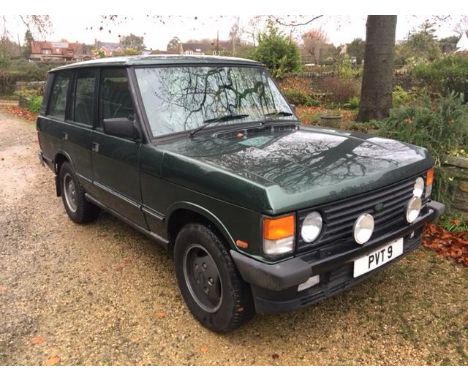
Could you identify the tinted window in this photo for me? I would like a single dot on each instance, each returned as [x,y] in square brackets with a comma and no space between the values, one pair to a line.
[83,97]
[58,96]
[115,100]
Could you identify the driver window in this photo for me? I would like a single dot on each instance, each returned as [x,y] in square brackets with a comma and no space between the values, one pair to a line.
[115,100]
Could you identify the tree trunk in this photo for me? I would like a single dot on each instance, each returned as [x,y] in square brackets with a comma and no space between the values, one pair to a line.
[377,79]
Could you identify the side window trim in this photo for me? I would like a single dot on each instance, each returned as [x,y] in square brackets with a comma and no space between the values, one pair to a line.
[47,94]
[71,92]
[141,121]
[97,102]
[49,99]
[97,92]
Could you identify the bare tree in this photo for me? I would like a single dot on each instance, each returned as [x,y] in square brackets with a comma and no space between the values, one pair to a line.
[39,24]
[462,26]
[377,80]
[234,36]
[252,30]
[314,42]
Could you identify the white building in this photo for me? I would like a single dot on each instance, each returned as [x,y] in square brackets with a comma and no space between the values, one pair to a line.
[462,44]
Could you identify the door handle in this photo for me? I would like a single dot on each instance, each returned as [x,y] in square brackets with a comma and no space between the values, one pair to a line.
[95,147]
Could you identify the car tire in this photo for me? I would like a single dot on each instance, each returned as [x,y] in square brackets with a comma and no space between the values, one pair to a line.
[73,196]
[205,271]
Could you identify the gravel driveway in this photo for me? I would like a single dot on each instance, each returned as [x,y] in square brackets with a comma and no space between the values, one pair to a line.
[105,294]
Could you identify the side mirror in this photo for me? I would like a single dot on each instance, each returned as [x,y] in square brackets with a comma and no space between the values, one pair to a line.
[120,127]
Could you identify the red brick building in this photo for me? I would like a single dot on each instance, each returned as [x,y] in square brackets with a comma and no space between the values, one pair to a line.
[57,51]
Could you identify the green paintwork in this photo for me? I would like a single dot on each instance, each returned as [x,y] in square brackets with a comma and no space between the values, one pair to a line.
[278,172]
[231,175]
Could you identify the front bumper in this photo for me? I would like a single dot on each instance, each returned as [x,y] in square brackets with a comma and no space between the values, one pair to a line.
[274,286]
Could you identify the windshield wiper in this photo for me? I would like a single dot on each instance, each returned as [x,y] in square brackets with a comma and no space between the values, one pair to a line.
[280,113]
[223,118]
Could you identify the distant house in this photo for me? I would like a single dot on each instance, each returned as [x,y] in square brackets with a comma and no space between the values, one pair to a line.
[48,51]
[205,47]
[195,48]
[108,48]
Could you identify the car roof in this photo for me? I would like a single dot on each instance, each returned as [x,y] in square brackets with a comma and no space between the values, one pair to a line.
[167,59]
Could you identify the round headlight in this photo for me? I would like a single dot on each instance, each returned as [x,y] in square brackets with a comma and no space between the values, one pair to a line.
[418,187]
[363,228]
[413,208]
[311,227]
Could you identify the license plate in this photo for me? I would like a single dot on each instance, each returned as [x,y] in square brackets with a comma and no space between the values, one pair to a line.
[378,257]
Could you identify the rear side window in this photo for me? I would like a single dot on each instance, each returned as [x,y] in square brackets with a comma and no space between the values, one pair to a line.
[83,97]
[115,100]
[58,96]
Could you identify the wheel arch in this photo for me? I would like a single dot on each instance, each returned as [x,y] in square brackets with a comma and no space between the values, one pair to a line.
[183,213]
[60,158]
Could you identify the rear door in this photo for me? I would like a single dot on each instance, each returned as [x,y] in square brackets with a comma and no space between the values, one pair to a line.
[51,127]
[80,121]
[115,159]
[61,129]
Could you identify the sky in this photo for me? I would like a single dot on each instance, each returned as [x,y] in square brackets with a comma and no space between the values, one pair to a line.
[157,31]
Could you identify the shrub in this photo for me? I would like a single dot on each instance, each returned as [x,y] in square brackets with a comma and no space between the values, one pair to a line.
[340,90]
[34,104]
[400,96]
[353,103]
[277,52]
[308,117]
[30,99]
[346,70]
[300,97]
[22,70]
[439,126]
[449,74]
[296,82]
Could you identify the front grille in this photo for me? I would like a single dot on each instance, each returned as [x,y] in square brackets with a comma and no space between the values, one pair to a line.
[339,217]
[341,278]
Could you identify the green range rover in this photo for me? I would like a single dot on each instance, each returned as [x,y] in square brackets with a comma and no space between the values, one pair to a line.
[204,155]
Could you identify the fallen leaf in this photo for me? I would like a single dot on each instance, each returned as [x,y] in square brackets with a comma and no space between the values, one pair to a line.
[22,113]
[160,314]
[52,361]
[37,340]
[204,349]
[275,356]
[446,244]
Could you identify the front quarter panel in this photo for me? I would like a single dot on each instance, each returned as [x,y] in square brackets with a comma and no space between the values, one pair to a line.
[163,197]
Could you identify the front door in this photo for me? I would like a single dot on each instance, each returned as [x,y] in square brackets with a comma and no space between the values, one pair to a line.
[116,160]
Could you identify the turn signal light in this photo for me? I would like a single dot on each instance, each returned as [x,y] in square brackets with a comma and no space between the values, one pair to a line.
[429,177]
[278,235]
[278,228]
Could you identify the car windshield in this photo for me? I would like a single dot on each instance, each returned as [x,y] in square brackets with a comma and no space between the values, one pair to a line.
[187,97]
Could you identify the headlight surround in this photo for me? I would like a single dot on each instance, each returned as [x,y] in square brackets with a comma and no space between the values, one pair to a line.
[418,187]
[311,227]
[363,228]
[413,209]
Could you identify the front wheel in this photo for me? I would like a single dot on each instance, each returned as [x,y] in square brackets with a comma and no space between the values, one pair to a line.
[209,281]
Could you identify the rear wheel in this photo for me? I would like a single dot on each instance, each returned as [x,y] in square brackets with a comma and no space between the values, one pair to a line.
[78,208]
[209,281]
